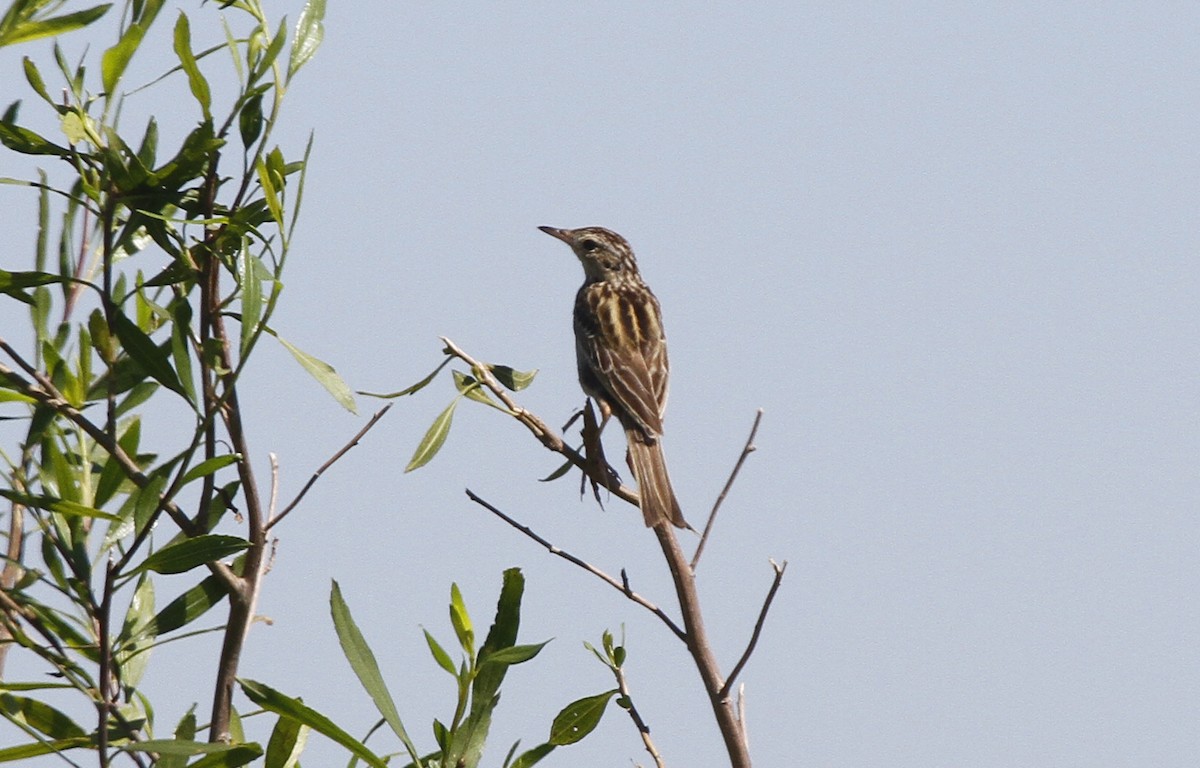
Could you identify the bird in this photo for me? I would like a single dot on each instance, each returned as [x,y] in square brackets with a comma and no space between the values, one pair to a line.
[621,354]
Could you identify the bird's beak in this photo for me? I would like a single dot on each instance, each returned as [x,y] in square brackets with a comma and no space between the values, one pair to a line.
[561,234]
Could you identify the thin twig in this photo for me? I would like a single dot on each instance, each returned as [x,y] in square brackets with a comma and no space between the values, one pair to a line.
[623,588]
[636,716]
[758,625]
[748,449]
[547,436]
[332,459]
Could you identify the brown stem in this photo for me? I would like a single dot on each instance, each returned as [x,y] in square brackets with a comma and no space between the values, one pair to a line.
[244,596]
[701,652]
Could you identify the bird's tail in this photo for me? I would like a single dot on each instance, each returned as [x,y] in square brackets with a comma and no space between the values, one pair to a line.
[658,500]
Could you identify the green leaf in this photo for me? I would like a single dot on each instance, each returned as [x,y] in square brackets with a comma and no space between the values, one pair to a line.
[25,30]
[563,469]
[323,372]
[196,81]
[27,142]
[309,33]
[26,751]
[439,654]
[207,467]
[288,738]
[133,642]
[269,698]
[533,756]
[188,607]
[40,716]
[184,747]
[579,718]
[515,654]
[191,553]
[250,120]
[184,731]
[270,193]
[252,297]
[473,390]
[34,78]
[148,500]
[61,506]
[362,661]
[415,387]
[511,378]
[234,755]
[461,621]
[152,359]
[116,59]
[502,635]
[434,438]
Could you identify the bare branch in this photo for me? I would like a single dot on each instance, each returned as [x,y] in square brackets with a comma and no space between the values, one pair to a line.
[332,460]
[620,586]
[758,625]
[748,449]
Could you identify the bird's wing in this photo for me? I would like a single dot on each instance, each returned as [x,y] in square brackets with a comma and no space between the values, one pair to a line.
[626,355]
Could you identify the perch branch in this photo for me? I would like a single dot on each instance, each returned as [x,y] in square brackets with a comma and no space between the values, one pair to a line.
[546,435]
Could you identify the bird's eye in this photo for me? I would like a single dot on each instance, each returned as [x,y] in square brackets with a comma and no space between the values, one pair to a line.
[590,245]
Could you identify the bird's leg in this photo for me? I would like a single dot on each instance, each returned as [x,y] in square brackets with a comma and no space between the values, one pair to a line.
[598,471]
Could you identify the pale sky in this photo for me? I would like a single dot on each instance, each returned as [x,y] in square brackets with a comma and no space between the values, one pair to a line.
[950,248]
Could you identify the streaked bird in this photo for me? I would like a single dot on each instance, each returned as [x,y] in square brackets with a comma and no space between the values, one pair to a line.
[621,353]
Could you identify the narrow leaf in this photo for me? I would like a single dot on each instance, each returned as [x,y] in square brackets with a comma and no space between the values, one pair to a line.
[533,756]
[148,355]
[515,654]
[288,739]
[52,27]
[439,654]
[269,698]
[61,506]
[415,387]
[362,661]
[40,716]
[309,33]
[188,607]
[207,467]
[196,81]
[512,378]
[116,59]
[191,553]
[324,373]
[434,438]
[34,78]
[27,142]
[252,298]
